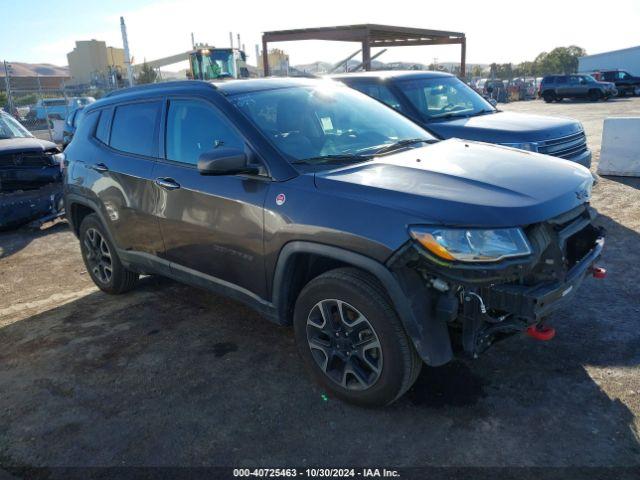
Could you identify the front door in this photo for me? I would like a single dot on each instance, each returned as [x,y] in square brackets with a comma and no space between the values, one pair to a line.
[212,226]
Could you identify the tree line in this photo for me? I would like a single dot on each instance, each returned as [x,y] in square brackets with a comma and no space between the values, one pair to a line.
[557,61]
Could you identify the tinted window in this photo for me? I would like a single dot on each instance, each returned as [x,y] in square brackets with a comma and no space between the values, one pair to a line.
[194,127]
[380,92]
[102,131]
[561,79]
[135,128]
[87,125]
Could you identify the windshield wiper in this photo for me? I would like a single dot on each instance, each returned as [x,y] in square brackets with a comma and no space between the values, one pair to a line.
[484,112]
[331,158]
[402,143]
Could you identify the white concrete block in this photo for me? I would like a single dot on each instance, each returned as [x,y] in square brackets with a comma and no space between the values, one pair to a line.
[620,151]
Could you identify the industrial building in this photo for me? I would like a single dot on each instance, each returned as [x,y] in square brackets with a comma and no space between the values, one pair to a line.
[93,61]
[278,62]
[627,59]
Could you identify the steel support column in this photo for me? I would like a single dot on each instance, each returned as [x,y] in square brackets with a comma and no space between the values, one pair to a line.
[265,57]
[463,58]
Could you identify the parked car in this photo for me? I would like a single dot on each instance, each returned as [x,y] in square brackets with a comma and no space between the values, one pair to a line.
[555,88]
[444,105]
[625,82]
[59,108]
[30,176]
[322,208]
[70,125]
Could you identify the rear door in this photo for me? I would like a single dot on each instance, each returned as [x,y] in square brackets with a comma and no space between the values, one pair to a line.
[212,226]
[120,169]
[563,87]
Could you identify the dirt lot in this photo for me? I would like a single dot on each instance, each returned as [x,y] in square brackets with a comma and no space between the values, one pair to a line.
[169,375]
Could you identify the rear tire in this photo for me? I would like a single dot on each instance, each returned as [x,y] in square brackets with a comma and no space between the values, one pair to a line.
[101,259]
[595,95]
[351,338]
[549,96]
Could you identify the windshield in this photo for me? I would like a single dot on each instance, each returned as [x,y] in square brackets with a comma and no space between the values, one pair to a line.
[309,124]
[443,97]
[214,64]
[588,79]
[10,128]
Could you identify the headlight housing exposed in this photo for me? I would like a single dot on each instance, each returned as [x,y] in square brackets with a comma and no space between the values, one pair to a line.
[528,146]
[471,244]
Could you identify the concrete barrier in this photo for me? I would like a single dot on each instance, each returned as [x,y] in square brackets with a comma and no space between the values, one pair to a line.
[620,151]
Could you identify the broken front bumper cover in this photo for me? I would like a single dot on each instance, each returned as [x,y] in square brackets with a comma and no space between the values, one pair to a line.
[483,301]
[536,302]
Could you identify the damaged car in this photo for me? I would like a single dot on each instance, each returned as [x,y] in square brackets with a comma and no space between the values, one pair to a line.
[323,209]
[30,176]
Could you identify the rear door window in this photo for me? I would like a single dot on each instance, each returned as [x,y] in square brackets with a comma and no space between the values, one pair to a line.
[135,128]
[561,80]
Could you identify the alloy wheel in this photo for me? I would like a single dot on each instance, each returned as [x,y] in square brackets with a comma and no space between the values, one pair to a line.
[98,256]
[344,344]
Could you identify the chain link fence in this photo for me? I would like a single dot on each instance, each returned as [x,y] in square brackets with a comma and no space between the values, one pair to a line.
[44,110]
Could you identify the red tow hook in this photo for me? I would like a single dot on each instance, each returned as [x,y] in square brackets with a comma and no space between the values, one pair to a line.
[599,272]
[541,332]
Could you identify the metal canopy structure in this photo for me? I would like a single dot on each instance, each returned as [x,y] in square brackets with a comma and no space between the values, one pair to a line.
[369,35]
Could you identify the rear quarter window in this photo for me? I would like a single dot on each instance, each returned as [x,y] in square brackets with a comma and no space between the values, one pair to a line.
[102,130]
[134,128]
[87,126]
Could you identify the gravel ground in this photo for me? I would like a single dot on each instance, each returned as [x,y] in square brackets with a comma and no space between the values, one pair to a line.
[170,375]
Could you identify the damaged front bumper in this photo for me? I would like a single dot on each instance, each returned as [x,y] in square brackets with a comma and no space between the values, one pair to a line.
[480,303]
[18,208]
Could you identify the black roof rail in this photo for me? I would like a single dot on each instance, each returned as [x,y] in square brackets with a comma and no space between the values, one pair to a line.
[159,86]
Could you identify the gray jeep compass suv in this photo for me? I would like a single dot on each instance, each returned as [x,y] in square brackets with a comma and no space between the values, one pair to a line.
[324,209]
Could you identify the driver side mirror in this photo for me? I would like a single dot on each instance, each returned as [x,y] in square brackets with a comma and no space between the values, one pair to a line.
[493,102]
[225,161]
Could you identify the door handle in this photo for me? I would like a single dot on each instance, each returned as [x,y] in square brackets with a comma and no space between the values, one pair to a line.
[100,167]
[167,183]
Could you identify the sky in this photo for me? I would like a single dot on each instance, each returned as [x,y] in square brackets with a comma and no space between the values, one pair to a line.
[39,31]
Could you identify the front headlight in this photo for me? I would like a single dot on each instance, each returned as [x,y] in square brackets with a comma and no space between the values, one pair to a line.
[529,146]
[472,245]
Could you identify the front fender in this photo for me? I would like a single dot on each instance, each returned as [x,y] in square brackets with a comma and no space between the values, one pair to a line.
[406,290]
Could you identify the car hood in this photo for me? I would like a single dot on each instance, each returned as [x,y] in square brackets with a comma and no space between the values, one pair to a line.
[465,183]
[15,145]
[505,127]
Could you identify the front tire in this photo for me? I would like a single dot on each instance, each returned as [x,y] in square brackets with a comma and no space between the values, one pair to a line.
[101,259]
[549,96]
[352,340]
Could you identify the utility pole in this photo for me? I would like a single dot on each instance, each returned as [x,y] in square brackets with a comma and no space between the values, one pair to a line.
[7,83]
[127,58]
[238,42]
[193,42]
[231,39]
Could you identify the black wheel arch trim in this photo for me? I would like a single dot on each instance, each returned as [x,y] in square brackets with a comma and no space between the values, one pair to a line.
[71,199]
[429,335]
